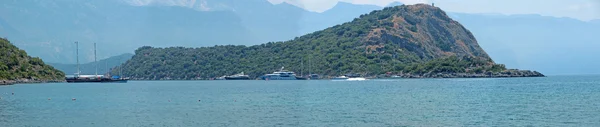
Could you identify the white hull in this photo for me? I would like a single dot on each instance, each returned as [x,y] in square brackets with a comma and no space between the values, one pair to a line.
[349,79]
[281,75]
[356,79]
[280,78]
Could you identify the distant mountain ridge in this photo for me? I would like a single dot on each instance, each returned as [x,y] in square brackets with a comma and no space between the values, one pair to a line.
[103,65]
[120,27]
[340,13]
[49,28]
[552,45]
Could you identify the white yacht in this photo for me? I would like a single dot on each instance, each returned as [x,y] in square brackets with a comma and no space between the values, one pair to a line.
[280,75]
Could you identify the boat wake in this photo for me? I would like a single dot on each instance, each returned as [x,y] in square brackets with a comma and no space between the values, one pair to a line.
[356,79]
[352,79]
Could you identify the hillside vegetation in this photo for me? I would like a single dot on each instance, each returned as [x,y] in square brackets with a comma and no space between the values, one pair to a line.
[15,64]
[414,39]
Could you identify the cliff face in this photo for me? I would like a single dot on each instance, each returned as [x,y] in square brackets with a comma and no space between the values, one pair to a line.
[15,64]
[415,39]
[423,30]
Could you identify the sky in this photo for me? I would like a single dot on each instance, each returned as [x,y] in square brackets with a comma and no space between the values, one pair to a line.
[579,9]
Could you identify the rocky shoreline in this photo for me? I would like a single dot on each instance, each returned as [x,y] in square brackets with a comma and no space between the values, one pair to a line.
[503,74]
[512,73]
[27,81]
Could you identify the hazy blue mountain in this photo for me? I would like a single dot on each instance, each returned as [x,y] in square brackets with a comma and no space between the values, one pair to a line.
[597,22]
[49,28]
[7,29]
[340,13]
[90,68]
[266,21]
[396,3]
[547,44]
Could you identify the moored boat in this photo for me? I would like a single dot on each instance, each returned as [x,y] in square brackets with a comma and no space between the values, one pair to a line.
[95,79]
[220,78]
[280,75]
[301,78]
[77,78]
[240,76]
[314,77]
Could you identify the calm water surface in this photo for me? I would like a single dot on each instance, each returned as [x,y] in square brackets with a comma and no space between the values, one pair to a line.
[551,101]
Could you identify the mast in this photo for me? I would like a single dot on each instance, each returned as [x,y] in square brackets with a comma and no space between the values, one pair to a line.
[95,60]
[77,56]
[309,65]
[301,67]
[120,68]
[106,68]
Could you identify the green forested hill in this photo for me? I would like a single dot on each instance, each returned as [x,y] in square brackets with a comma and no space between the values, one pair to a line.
[15,64]
[402,39]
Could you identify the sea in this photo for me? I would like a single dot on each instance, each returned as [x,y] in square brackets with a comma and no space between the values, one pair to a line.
[546,101]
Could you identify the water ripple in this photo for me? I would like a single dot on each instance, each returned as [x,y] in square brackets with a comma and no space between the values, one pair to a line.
[551,101]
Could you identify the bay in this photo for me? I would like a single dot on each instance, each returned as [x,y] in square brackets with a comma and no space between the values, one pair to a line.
[548,101]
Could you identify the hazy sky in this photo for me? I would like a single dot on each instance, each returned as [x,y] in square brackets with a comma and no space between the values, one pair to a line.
[579,9]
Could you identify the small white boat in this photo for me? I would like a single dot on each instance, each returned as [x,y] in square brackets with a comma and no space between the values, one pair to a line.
[356,79]
[220,78]
[349,77]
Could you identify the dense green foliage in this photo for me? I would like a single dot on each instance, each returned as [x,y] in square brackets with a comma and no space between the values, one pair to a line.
[16,64]
[454,64]
[373,44]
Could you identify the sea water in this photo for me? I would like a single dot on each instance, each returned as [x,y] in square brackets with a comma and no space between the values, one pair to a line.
[549,101]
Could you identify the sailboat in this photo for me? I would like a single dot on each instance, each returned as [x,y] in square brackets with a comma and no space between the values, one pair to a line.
[78,78]
[301,77]
[311,76]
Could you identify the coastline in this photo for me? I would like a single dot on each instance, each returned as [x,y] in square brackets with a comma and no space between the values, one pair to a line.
[27,81]
[508,74]
[504,74]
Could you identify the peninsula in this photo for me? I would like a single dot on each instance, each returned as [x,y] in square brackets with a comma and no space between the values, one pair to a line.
[17,67]
[411,41]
